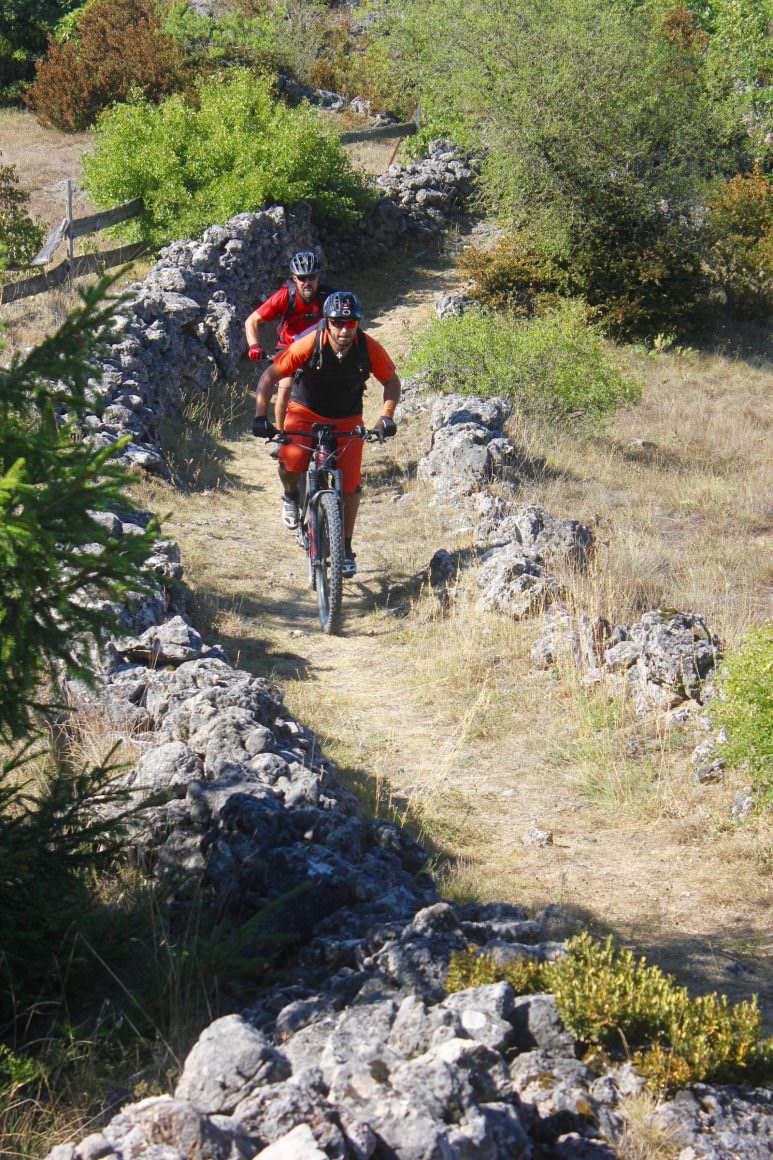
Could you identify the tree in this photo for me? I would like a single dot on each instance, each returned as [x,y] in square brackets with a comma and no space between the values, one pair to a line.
[62,576]
[597,132]
[60,569]
[25,26]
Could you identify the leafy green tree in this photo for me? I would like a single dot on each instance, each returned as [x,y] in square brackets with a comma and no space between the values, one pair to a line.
[27,23]
[597,134]
[25,26]
[740,61]
[58,564]
[237,149]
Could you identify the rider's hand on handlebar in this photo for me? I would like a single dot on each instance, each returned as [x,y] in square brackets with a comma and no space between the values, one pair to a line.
[263,428]
[256,353]
[386,427]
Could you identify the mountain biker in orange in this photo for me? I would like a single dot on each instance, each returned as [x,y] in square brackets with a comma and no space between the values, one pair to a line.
[298,305]
[329,367]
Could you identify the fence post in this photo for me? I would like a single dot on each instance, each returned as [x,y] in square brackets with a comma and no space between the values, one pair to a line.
[70,240]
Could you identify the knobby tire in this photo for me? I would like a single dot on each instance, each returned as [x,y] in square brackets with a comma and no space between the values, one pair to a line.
[330,561]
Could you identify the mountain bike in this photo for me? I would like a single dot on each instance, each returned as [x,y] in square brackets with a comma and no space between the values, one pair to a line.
[321,526]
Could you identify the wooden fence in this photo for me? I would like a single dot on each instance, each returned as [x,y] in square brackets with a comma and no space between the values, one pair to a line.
[67,231]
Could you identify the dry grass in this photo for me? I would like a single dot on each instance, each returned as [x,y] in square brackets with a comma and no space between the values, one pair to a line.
[678,489]
[436,715]
[30,320]
[643,1138]
[91,739]
[44,158]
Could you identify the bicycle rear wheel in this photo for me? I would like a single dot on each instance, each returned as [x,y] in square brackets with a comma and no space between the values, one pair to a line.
[330,561]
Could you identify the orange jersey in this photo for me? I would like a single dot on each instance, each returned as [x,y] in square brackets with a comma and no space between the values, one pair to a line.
[299,353]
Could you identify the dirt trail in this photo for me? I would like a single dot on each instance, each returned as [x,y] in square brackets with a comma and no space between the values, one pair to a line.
[652,881]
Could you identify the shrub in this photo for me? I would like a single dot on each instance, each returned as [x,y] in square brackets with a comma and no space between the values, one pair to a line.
[20,236]
[740,63]
[556,365]
[514,274]
[741,232]
[612,1001]
[238,150]
[743,708]
[352,61]
[119,47]
[233,39]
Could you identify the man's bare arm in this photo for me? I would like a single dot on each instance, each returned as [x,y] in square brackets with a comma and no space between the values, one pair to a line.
[391,396]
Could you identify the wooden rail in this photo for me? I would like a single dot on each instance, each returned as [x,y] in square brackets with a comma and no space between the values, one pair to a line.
[381,132]
[67,231]
[85,264]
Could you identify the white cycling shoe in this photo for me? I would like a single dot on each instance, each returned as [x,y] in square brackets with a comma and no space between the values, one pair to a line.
[290,513]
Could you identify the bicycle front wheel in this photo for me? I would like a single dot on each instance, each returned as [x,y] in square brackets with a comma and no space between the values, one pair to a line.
[330,561]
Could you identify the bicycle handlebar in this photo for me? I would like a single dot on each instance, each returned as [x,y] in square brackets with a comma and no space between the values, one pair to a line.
[368,435]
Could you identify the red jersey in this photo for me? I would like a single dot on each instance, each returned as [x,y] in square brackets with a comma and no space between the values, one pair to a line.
[296,316]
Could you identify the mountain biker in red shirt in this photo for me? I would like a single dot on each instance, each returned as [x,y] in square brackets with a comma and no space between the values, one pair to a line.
[297,305]
[329,368]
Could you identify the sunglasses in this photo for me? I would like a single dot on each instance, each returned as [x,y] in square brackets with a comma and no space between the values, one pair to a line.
[343,323]
[311,278]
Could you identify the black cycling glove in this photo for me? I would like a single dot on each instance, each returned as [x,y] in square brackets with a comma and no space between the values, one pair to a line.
[386,427]
[262,427]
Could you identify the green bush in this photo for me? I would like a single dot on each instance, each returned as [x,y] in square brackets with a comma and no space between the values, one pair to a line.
[613,1002]
[351,60]
[118,47]
[231,39]
[237,150]
[15,70]
[743,707]
[20,236]
[556,365]
[740,64]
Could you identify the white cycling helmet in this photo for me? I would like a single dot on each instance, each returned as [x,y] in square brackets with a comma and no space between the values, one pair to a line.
[305,264]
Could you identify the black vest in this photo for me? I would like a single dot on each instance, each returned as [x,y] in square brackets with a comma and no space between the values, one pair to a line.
[329,386]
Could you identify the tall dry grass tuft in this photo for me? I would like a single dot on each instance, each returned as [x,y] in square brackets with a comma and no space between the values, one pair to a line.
[90,738]
[191,432]
[643,1137]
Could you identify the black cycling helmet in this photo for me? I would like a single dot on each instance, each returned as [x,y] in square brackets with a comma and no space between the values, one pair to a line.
[304,264]
[342,304]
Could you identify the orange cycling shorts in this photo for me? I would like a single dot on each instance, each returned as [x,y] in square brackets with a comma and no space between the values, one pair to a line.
[295,458]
